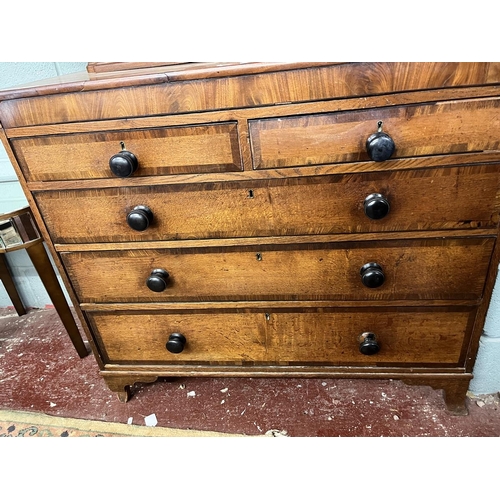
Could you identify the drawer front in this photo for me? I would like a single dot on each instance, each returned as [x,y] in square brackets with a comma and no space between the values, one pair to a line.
[416,269]
[434,129]
[445,198]
[417,337]
[161,151]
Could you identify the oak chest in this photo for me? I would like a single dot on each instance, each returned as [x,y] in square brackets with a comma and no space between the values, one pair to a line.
[270,220]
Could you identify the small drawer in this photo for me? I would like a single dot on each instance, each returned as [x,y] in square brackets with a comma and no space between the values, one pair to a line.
[159,151]
[427,199]
[421,130]
[420,337]
[354,271]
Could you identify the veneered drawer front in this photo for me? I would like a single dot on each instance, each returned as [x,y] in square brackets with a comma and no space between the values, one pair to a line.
[160,151]
[433,129]
[330,337]
[414,269]
[445,198]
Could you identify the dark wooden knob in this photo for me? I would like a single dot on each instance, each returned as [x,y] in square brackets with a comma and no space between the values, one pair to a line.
[124,163]
[158,280]
[372,275]
[176,343]
[140,217]
[380,145]
[376,206]
[368,344]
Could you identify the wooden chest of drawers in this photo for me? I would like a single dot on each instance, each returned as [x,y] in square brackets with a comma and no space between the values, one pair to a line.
[268,220]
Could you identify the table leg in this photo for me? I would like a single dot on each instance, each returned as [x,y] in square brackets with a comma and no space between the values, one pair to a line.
[43,266]
[6,279]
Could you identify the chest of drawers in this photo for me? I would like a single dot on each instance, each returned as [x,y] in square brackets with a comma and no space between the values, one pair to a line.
[270,220]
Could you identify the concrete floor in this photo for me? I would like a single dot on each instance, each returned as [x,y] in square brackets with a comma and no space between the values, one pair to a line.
[41,372]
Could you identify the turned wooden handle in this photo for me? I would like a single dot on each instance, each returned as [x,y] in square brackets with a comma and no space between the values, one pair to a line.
[158,280]
[176,343]
[380,145]
[376,206]
[140,217]
[372,275]
[368,344]
[124,163]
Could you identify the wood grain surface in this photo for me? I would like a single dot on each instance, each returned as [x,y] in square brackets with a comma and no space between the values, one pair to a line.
[418,269]
[211,148]
[256,175]
[439,128]
[327,337]
[448,198]
[119,98]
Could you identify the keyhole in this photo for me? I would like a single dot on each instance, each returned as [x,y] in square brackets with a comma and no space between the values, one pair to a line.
[258,256]
[250,193]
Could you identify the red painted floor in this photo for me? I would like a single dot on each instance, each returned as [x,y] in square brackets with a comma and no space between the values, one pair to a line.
[41,372]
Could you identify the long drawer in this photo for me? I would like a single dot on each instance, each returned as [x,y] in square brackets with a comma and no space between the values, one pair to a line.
[442,198]
[410,269]
[159,151]
[405,336]
[432,129]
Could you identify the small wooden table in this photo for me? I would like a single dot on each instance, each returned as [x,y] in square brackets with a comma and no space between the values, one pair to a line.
[18,230]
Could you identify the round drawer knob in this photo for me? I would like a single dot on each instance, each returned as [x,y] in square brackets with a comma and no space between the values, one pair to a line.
[368,344]
[376,206]
[124,163]
[140,217]
[379,145]
[176,343]
[158,280]
[372,275]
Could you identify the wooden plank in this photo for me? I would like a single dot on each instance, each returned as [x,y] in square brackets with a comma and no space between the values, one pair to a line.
[277,241]
[260,112]
[243,305]
[192,95]
[454,198]
[329,338]
[105,67]
[159,151]
[420,130]
[412,270]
